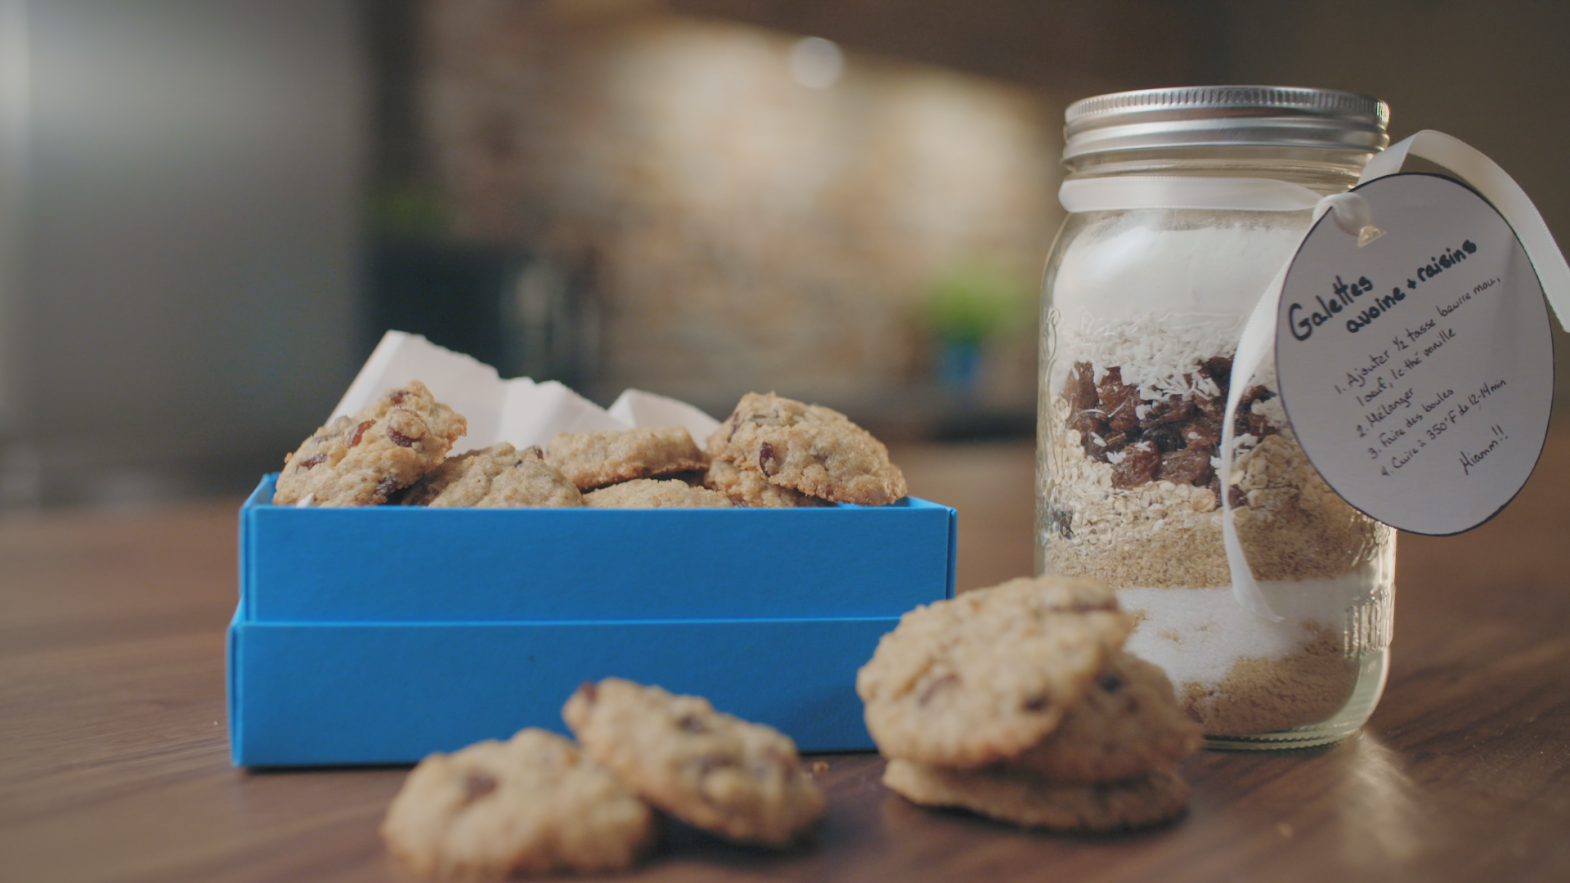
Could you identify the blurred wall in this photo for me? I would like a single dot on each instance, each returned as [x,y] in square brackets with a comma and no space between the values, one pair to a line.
[740,224]
[181,232]
[743,231]
[14,53]
[1060,47]
[182,302]
[1496,75]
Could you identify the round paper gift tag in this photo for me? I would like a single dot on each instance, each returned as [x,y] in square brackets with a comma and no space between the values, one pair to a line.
[1416,368]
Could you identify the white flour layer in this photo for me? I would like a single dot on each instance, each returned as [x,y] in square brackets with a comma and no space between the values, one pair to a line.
[1151,299]
[1198,635]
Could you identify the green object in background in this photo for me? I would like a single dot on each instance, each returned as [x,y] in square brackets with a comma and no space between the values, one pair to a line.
[973,303]
[407,210]
[966,309]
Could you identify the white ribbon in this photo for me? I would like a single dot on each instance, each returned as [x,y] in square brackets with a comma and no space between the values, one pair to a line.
[1351,213]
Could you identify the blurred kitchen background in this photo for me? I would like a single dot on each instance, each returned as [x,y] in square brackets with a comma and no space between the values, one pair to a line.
[210,211]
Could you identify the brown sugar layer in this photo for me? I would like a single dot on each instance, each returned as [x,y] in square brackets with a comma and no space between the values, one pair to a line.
[1266,695]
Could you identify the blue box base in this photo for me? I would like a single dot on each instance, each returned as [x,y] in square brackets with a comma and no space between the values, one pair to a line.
[307,694]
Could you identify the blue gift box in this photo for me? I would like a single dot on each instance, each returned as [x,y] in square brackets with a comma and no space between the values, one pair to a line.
[378,635]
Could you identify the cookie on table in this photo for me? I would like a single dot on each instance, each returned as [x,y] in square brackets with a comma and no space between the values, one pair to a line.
[607,456]
[743,781]
[1021,799]
[494,477]
[530,805]
[655,493]
[808,448]
[361,460]
[1128,723]
[746,487]
[984,676]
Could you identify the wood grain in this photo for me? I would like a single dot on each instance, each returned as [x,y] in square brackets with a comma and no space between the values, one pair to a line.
[114,762]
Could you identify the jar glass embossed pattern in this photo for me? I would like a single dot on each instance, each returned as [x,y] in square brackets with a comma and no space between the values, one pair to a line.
[1143,306]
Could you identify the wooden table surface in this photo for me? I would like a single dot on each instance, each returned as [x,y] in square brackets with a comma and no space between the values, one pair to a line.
[114,762]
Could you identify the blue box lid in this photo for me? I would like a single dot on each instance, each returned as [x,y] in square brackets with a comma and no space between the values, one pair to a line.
[414,564]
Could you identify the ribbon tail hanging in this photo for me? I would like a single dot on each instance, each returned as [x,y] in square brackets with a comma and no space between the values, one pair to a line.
[1253,345]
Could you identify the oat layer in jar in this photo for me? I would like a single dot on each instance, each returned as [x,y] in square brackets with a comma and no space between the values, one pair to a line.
[1191,201]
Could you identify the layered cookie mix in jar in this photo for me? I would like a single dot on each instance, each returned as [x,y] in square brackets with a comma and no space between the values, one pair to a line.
[1184,204]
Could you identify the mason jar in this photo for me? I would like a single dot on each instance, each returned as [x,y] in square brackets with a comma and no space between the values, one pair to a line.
[1183,205]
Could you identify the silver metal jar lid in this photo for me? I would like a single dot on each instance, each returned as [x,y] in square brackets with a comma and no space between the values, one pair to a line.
[1225,116]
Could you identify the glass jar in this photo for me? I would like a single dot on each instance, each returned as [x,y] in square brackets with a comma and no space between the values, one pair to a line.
[1143,303]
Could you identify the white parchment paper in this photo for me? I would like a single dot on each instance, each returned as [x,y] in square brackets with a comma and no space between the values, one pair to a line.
[520,411]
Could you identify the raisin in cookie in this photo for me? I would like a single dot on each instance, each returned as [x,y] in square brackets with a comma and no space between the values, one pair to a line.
[745,487]
[1129,723]
[362,459]
[983,676]
[1022,799]
[495,477]
[655,493]
[533,804]
[607,456]
[808,448]
[741,780]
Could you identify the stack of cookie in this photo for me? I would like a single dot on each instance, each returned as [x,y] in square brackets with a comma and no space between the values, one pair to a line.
[363,459]
[395,450]
[531,805]
[772,451]
[540,803]
[499,476]
[1017,702]
[642,468]
[740,780]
